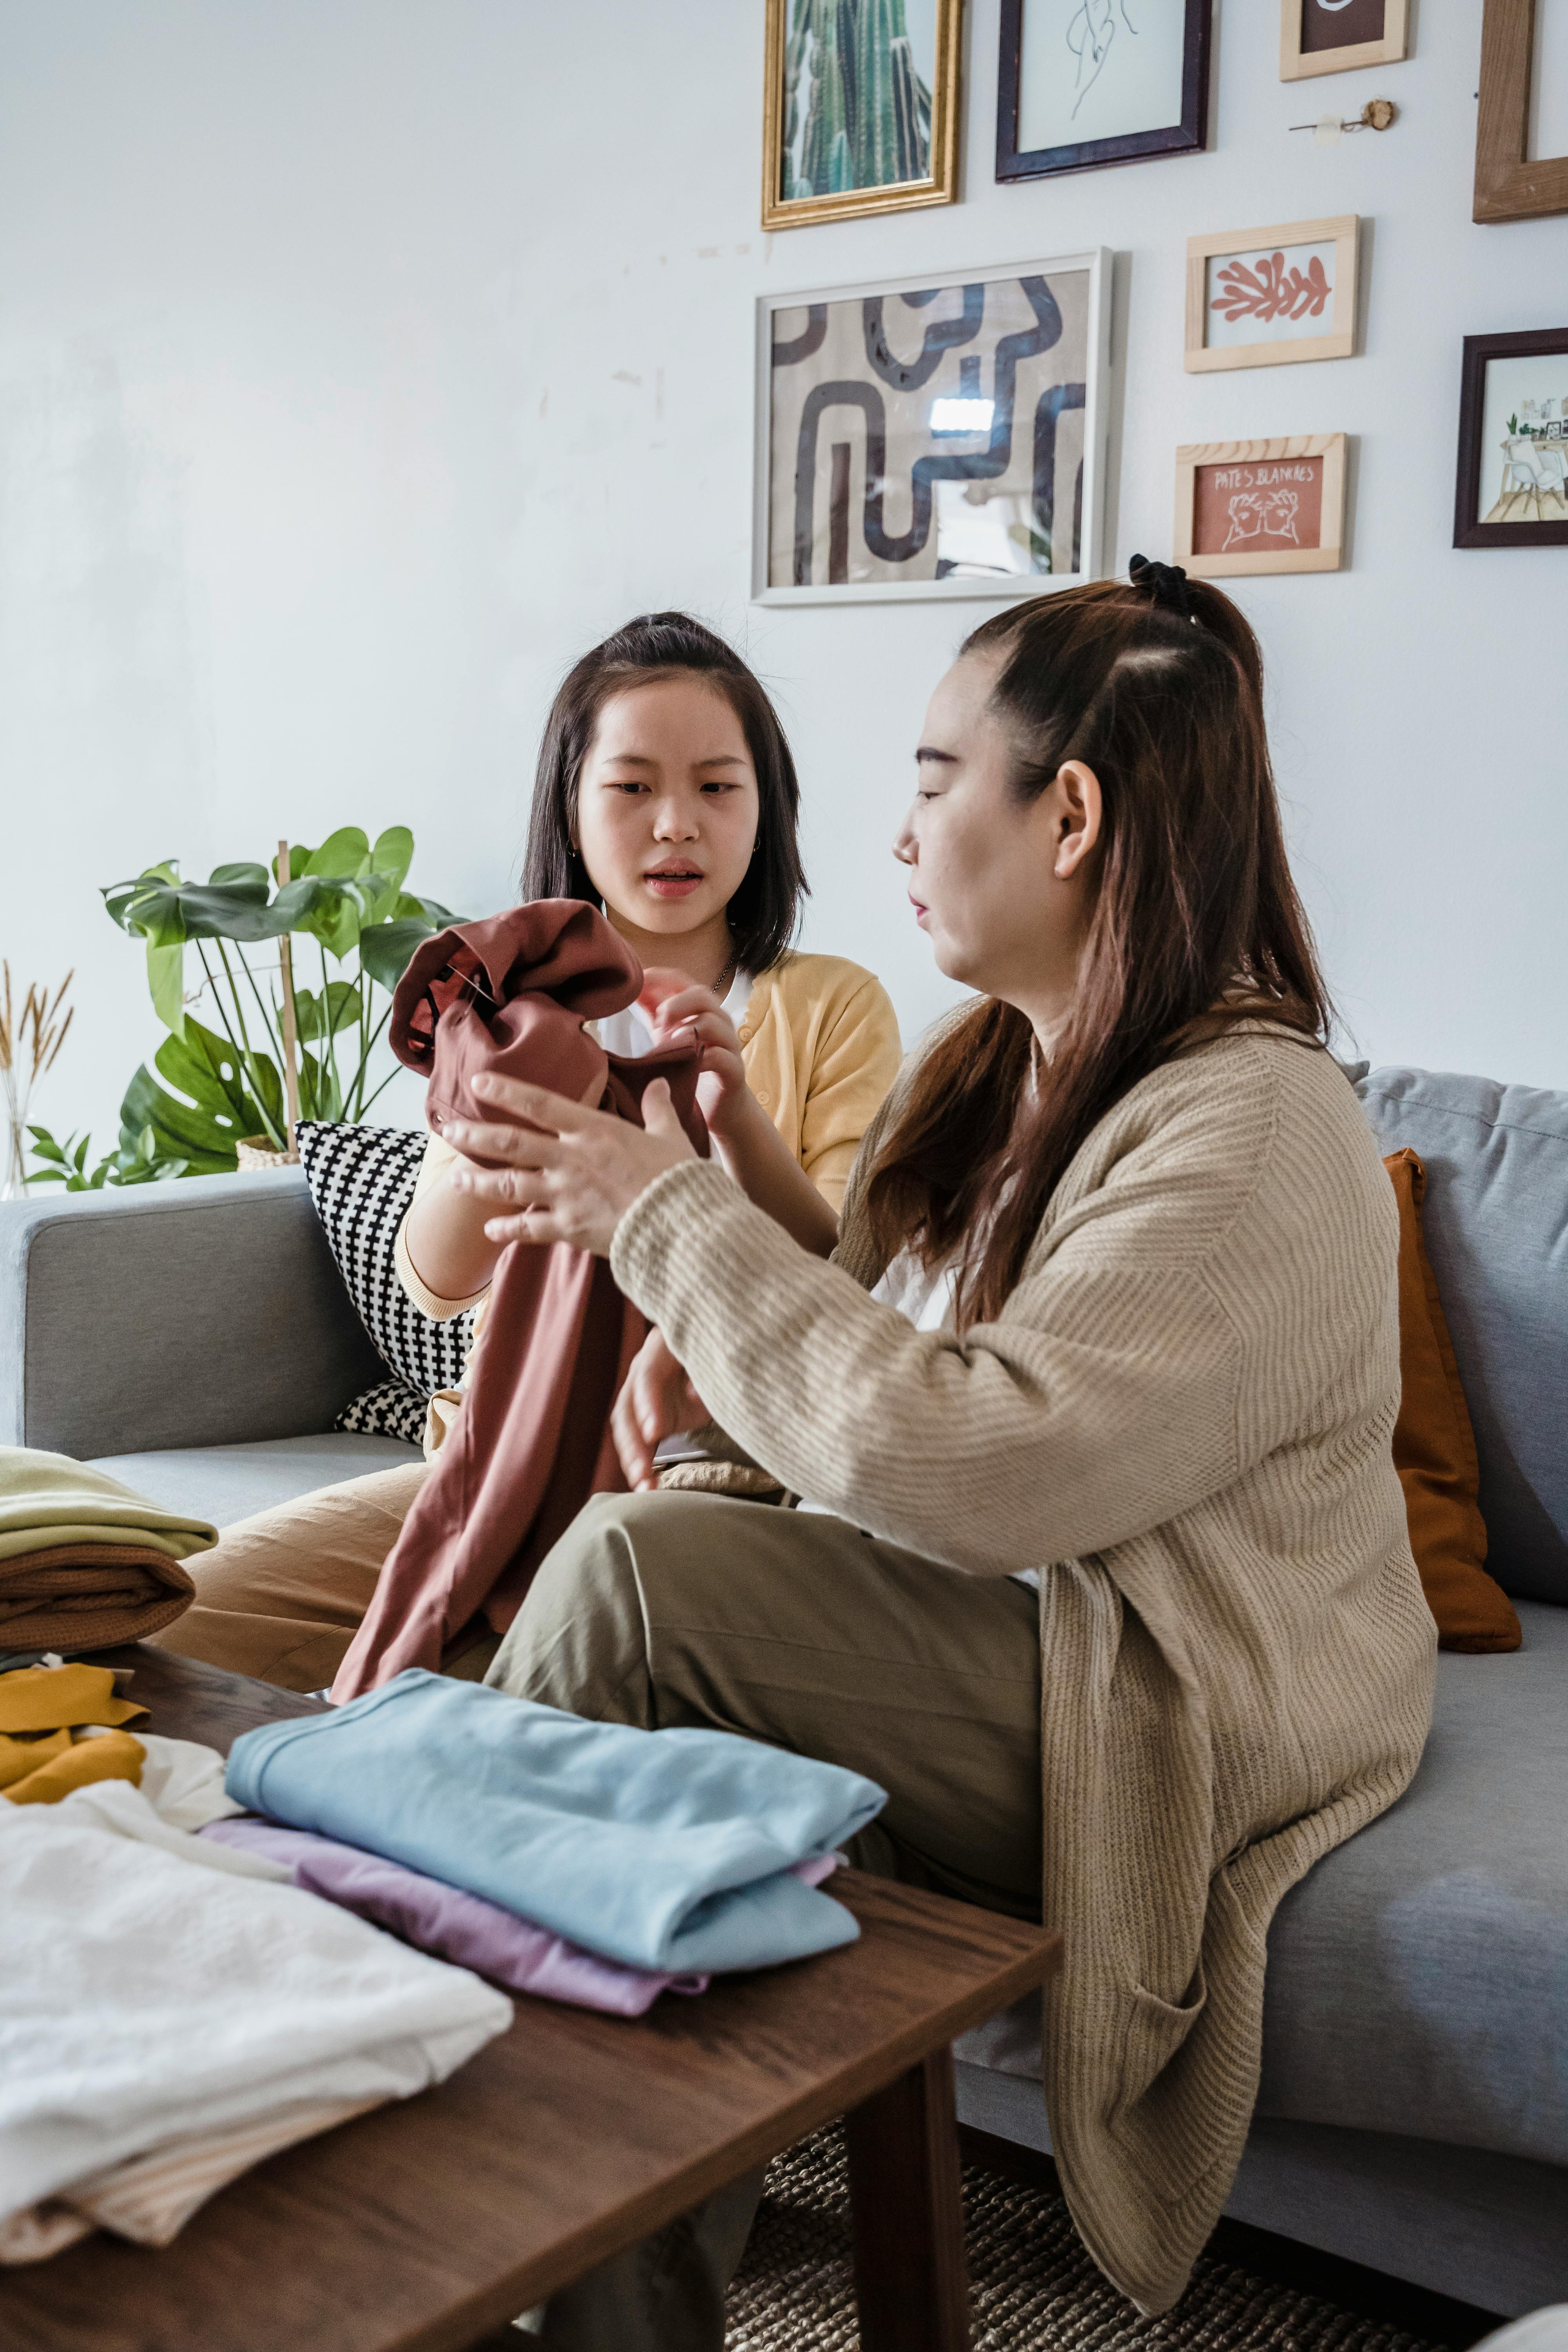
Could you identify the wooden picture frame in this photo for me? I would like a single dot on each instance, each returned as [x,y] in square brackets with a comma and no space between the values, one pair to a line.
[863,469]
[1508,186]
[1296,64]
[1188,135]
[1290,292]
[938,184]
[1534,470]
[1284,475]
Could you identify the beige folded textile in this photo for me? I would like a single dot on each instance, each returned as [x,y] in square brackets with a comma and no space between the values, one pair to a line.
[84,1563]
[150,2199]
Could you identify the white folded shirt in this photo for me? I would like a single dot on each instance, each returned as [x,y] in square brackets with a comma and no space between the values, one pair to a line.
[149,1992]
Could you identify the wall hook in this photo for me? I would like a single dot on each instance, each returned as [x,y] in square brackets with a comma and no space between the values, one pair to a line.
[1375,115]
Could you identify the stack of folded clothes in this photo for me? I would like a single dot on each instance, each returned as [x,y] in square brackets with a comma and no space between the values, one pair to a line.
[589,1860]
[84,1563]
[174,2007]
[170,2013]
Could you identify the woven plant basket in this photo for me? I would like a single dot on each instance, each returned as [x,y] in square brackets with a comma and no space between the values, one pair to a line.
[254,1152]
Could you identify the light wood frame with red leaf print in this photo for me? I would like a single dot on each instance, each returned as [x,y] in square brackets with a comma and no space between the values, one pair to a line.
[1337,341]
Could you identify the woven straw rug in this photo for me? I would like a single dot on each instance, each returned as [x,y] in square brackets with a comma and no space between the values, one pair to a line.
[1033,2288]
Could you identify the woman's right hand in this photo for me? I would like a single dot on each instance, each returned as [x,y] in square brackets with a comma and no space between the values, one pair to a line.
[656,1400]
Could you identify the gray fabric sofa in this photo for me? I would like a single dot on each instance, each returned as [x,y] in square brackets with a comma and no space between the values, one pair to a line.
[195,1339]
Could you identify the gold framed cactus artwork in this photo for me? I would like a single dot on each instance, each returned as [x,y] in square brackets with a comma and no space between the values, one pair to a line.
[861,112]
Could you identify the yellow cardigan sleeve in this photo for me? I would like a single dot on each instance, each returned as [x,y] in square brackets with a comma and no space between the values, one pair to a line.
[821,1045]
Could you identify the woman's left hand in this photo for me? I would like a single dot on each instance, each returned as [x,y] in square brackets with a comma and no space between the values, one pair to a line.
[571,1174]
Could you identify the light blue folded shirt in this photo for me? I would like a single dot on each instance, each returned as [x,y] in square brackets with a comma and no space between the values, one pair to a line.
[665,1850]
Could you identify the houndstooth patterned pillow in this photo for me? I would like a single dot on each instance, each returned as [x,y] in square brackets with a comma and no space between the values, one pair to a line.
[362,1180]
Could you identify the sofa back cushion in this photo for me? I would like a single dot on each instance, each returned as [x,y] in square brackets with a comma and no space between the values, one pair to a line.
[1495,1219]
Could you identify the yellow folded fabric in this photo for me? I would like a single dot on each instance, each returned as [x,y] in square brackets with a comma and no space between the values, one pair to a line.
[43,1698]
[20,1757]
[113,1757]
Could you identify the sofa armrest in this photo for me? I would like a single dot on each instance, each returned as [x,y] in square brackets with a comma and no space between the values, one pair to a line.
[202,1312]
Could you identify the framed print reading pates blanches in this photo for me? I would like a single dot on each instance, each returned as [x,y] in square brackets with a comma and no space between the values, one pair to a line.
[860,107]
[1325,37]
[932,436]
[1265,297]
[1244,507]
[1088,82]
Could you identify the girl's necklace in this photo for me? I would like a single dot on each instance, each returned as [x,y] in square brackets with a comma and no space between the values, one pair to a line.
[726,978]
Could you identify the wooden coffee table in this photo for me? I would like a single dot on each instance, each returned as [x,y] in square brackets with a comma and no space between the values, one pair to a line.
[424,2225]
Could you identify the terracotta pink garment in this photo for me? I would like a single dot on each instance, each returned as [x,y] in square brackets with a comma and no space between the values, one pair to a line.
[532,1440]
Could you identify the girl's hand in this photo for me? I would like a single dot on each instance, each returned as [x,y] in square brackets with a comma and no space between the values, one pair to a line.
[656,1400]
[677,1010]
[572,1173]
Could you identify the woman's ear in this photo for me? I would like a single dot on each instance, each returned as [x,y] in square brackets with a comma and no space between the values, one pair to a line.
[1078,830]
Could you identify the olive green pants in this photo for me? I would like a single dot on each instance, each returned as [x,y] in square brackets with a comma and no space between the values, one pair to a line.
[793,1628]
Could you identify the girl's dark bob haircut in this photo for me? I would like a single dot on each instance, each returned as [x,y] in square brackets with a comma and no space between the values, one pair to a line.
[765,910]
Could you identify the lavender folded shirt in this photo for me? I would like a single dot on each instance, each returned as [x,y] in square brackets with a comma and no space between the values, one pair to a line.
[443,1919]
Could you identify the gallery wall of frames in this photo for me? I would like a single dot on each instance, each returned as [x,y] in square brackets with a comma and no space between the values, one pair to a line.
[361,366]
[944,434]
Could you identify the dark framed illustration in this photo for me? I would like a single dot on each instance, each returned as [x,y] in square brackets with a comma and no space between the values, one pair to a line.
[1510,184]
[1325,37]
[860,107]
[1088,82]
[1244,507]
[927,437]
[1511,488]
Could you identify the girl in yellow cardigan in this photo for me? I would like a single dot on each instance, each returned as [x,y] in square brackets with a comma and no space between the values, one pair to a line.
[667,793]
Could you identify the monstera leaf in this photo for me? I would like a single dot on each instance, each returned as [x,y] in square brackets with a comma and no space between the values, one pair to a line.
[231,904]
[210,1107]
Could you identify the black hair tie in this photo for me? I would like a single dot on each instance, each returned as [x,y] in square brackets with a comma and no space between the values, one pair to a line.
[1166,583]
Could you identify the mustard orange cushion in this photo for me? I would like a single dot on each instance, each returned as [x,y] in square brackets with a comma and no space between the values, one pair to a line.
[1434,1448]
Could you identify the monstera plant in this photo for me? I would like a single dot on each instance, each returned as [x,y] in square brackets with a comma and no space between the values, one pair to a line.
[259,941]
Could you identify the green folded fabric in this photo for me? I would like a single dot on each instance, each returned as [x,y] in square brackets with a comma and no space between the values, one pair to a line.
[48,1500]
[85,1564]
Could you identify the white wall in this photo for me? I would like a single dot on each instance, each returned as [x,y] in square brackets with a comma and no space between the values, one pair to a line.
[362,361]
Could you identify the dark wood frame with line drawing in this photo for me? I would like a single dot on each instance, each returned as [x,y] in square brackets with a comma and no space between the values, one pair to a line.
[1188,137]
[1468,529]
[1508,186]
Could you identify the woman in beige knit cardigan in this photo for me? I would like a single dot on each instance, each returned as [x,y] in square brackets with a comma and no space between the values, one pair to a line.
[1147,1356]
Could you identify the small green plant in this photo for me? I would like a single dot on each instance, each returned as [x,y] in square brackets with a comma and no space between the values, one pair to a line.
[65,1164]
[348,897]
